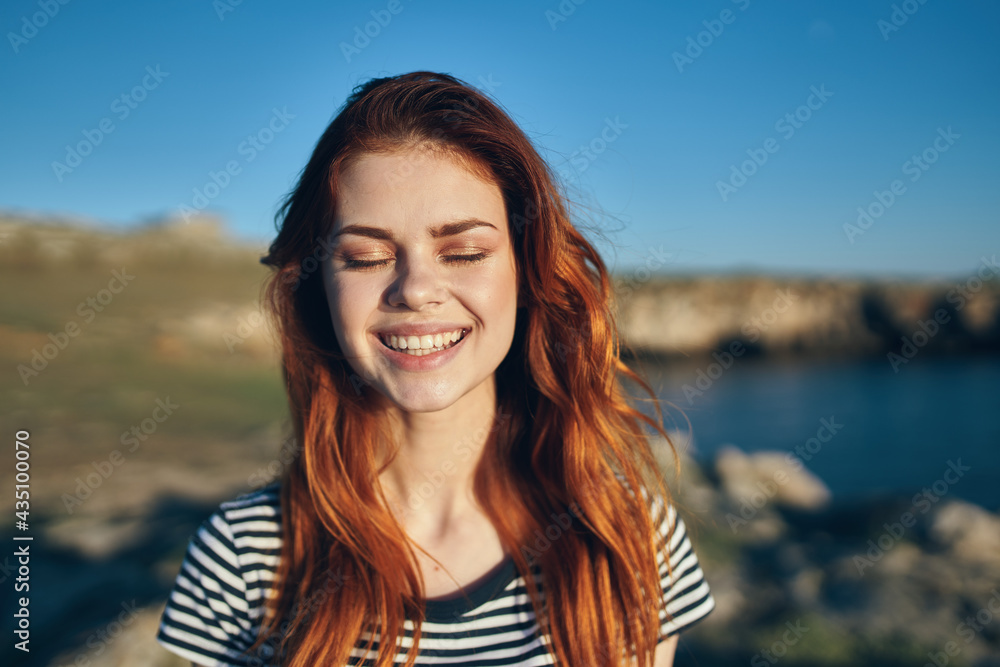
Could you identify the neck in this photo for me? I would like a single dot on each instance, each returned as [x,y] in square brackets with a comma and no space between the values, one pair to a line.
[430,481]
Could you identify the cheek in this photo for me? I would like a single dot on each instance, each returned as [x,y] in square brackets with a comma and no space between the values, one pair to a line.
[349,305]
[493,293]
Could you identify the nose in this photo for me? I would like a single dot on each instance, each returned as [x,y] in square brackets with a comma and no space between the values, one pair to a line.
[418,284]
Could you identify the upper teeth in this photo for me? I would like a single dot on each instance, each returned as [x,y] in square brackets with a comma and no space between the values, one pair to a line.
[426,342]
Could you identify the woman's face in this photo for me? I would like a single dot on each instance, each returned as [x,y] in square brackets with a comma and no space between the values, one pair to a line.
[421,283]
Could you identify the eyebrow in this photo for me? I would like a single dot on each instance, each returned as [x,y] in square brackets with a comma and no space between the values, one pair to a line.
[448,229]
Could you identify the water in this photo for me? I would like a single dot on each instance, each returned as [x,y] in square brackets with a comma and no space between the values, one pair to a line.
[899,430]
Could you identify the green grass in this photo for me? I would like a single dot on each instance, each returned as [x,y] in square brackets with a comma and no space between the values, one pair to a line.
[108,377]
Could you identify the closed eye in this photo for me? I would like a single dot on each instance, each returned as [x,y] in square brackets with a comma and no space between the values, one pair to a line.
[451,259]
[466,259]
[364,263]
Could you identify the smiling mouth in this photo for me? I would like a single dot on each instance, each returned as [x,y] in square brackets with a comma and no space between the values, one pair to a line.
[421,346]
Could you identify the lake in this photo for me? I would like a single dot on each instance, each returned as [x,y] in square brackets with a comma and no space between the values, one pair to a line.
[896,432]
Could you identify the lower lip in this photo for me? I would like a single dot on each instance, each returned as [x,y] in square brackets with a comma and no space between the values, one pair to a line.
[427,362]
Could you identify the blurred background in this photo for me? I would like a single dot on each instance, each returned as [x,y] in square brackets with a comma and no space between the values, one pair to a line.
[798,202]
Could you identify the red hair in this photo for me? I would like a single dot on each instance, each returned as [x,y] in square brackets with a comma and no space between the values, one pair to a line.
[572,442]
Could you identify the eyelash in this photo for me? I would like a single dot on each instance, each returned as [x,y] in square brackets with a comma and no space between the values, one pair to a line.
[454,259]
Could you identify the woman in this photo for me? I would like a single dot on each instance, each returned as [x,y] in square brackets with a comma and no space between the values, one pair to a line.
[472,487]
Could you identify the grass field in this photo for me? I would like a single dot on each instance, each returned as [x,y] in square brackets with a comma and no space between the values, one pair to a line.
[80,374]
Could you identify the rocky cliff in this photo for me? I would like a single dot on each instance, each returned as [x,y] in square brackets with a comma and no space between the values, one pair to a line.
[682,316]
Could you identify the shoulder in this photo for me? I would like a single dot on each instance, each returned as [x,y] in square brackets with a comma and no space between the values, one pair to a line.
[226,575]
[686,595]
[686,592]
[245,521]
[249,527]
[252,511]
[663,514]
[238,547]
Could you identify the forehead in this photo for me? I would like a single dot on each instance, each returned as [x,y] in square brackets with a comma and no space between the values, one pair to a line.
[415,185]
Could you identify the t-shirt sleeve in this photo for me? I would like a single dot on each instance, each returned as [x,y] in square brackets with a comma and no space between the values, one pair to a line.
[685,591]
[206,619]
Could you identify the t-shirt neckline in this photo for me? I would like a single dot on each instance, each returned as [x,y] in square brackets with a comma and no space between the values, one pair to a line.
[449,611]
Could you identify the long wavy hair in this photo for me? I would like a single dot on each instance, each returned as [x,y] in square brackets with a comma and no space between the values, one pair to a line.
[568,441]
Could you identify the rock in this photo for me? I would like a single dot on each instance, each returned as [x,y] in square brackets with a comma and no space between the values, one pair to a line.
[805,587]
[756,479]
[764,528]
[733,597]
[93,536]
[901,559]
[970,533]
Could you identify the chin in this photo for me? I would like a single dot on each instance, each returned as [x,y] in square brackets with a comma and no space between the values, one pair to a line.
[419,399]
[422,407]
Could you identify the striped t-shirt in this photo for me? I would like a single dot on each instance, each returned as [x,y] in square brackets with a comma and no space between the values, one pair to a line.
[214,611]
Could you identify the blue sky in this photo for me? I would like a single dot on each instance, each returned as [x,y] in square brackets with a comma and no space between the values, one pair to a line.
[684,94]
